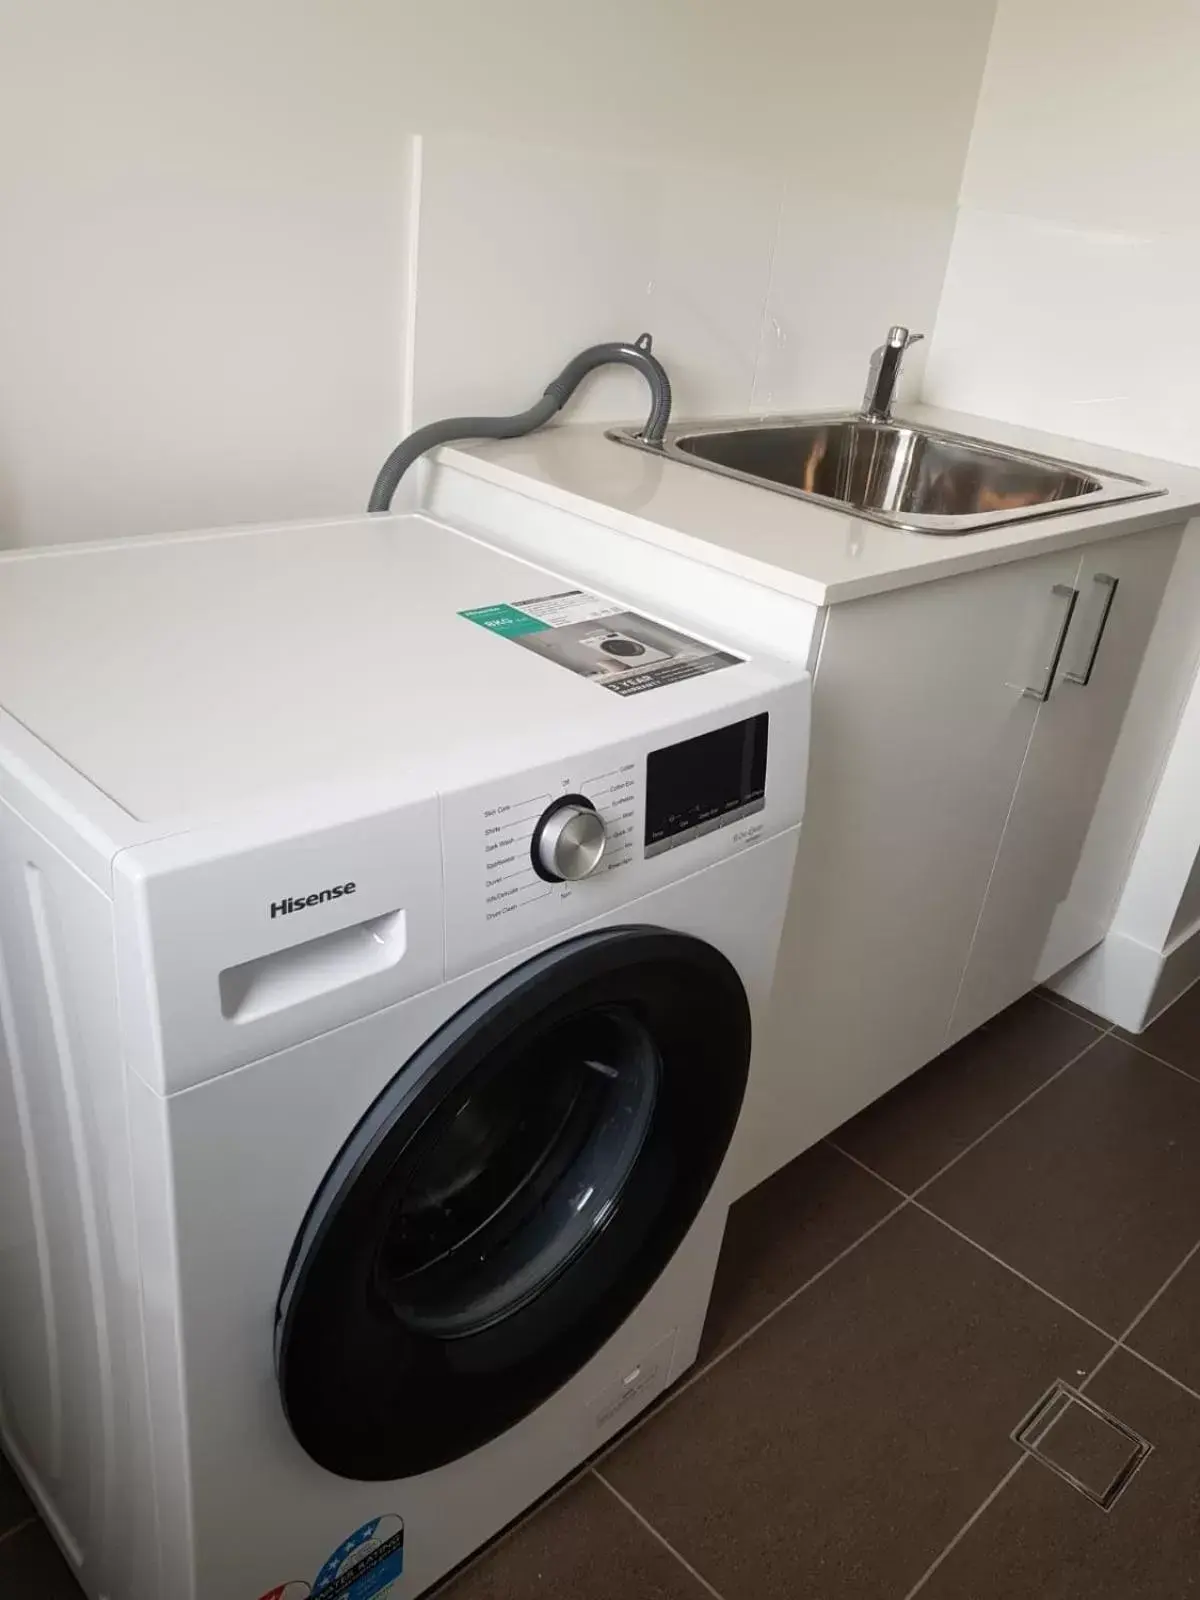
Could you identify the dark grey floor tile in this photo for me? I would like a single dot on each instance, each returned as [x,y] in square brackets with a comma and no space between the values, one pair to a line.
[783,1231]
[1042,1537]
[839,1448]
[582,1545]
[1168,1334]
[1175,1036]
[15,1505]
[1093,1188]
[929,1118]
[31,1567]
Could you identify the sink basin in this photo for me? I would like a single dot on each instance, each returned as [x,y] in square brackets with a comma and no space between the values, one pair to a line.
[906,476]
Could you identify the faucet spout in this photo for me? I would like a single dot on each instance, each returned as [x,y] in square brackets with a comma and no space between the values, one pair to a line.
[884,373]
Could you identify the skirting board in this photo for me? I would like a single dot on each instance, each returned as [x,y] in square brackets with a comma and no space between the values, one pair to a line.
[1130,983]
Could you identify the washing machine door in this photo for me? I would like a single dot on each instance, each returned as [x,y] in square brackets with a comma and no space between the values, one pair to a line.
[509,1199]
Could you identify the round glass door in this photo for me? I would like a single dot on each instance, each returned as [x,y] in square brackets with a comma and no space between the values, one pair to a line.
[510,1197]
[512,1175]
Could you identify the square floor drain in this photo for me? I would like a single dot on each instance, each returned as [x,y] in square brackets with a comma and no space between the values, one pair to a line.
[1093,1451]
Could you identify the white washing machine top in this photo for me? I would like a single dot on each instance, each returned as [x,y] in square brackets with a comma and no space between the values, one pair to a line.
[189,677]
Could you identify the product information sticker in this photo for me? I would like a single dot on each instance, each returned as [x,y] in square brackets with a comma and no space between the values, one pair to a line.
[366,1566]
[621,650]
[368,1563]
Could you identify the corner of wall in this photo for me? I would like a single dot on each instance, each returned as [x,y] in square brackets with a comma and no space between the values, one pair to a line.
[408,324]
[930,369]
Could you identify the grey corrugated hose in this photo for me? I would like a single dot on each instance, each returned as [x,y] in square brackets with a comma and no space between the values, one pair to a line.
[554,397]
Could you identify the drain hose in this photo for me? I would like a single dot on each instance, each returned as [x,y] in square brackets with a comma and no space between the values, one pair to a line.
[554,397]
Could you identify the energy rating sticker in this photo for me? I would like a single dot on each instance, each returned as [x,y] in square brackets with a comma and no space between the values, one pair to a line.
[365,1566]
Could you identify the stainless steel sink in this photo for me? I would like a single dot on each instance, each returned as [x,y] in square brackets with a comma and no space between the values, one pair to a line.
[903,475]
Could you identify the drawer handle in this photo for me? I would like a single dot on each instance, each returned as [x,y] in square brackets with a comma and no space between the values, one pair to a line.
[1110,586]
[1061,591]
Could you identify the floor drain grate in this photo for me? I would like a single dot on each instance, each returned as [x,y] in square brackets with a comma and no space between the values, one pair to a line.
[1095,1452]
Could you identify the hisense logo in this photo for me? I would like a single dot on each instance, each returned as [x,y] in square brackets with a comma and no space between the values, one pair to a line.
[283,908]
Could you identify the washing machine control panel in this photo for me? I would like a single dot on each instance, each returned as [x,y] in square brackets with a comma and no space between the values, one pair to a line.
[541,852]
[535,846]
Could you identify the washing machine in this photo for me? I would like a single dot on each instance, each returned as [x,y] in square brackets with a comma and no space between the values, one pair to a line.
[377,1006]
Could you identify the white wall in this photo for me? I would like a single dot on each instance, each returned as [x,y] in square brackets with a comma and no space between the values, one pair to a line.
[205,221]
[1071,296]
[763,290]
[199,211]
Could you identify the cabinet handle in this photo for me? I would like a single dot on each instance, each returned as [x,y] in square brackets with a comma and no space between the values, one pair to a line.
[1110,586]
[1061,591]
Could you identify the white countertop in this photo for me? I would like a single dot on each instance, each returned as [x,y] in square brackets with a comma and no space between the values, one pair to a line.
[795,546]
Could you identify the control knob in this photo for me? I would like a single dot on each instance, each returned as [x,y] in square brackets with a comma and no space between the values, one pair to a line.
[568,842]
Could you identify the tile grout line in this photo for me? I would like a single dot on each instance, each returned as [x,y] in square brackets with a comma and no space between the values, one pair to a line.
[1119,1341]
[1020,1106]
[1162,1371]
[870,1171]
[655,1534]
[702,1370]
[1161,1060]
[509,1531]
[920,1205]
[987,1132]
[1159,1292]
[1049,1294]
[967,1526]
[1098,1368]
[1120,1344]
[1061,1005]
[795,1294]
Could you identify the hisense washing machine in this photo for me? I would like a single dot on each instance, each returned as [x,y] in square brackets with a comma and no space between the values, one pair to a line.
[378,990]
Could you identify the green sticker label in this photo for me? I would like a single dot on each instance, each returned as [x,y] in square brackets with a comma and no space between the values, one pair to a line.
[504,620]
[599,639]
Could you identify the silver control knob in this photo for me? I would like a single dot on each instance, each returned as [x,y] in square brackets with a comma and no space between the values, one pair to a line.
[570,841]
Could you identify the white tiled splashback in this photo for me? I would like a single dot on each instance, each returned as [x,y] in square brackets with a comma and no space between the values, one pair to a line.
[1087,332]
[763,291]
[1071,296]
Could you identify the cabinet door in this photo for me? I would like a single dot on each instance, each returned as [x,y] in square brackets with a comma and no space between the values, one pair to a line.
[1120,585]
[920,728]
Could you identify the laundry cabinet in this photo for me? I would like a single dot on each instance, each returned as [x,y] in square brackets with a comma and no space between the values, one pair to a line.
[962,730]
[1098,621]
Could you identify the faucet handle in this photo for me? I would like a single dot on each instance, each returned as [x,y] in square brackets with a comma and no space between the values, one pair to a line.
[899,338]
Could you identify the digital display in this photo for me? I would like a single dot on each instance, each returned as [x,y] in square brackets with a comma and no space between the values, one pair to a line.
[705,783]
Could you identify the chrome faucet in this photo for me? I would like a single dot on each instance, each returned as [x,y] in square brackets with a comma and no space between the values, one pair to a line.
[885,370]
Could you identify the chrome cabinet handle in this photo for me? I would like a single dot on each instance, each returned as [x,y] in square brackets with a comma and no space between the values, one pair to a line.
[1061,591]
[1110,586]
